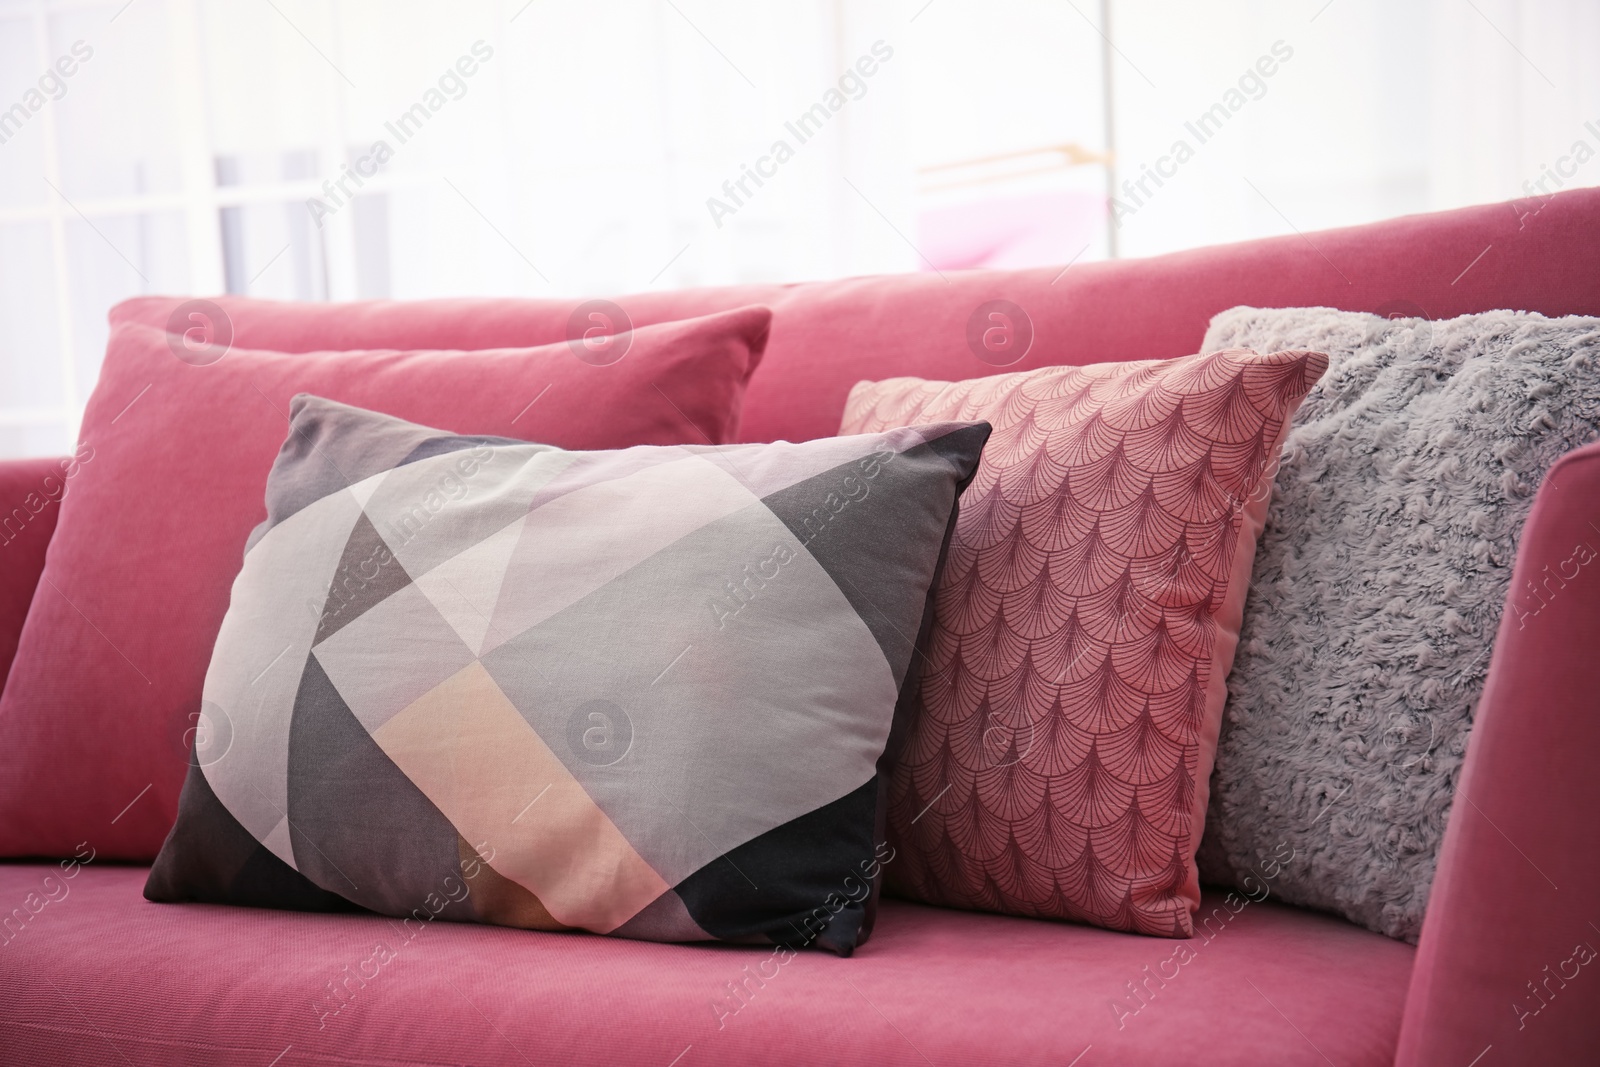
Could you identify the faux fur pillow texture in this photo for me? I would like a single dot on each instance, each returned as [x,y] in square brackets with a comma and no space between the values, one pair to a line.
[1378,586]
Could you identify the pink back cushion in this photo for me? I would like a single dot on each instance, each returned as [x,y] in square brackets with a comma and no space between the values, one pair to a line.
[1535,255]
[97,713]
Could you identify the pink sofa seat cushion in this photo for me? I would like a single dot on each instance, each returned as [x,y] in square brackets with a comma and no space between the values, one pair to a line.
[1536,255]
[102,976]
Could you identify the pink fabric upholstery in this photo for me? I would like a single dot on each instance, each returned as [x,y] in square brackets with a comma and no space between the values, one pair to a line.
[101,976]
[1516,901]
[29,505]
[97,713]
[826,336]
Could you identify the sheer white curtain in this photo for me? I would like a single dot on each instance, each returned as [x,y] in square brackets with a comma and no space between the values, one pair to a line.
[339,149]
[1514,93]
[1382,108]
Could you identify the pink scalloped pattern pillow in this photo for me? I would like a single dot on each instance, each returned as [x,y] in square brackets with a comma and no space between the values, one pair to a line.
[1063,730]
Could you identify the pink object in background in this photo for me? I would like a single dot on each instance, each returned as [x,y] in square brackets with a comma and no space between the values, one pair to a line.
[1008,233]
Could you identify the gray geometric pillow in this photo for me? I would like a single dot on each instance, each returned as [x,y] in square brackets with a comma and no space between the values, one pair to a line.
[641,692]
[1377,589]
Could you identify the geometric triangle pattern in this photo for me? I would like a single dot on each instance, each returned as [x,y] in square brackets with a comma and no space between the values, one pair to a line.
[1062,732]
[642,692]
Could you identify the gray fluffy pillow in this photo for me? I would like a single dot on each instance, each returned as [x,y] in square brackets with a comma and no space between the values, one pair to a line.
[1377,590]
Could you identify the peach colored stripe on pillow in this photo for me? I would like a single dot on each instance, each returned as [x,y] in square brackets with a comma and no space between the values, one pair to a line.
[467,748]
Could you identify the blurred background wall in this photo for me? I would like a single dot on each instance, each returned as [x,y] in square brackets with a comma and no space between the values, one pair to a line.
[345,149]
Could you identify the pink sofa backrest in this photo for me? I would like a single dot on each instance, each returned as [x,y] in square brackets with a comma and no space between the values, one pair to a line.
[1532,255]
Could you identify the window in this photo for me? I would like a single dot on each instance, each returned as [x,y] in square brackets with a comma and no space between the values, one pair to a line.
[354,149]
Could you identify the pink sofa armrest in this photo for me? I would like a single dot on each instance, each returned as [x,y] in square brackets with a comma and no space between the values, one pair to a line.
[29,492]
[1506,967]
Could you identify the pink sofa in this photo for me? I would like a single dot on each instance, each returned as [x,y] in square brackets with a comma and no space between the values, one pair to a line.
[97,975]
